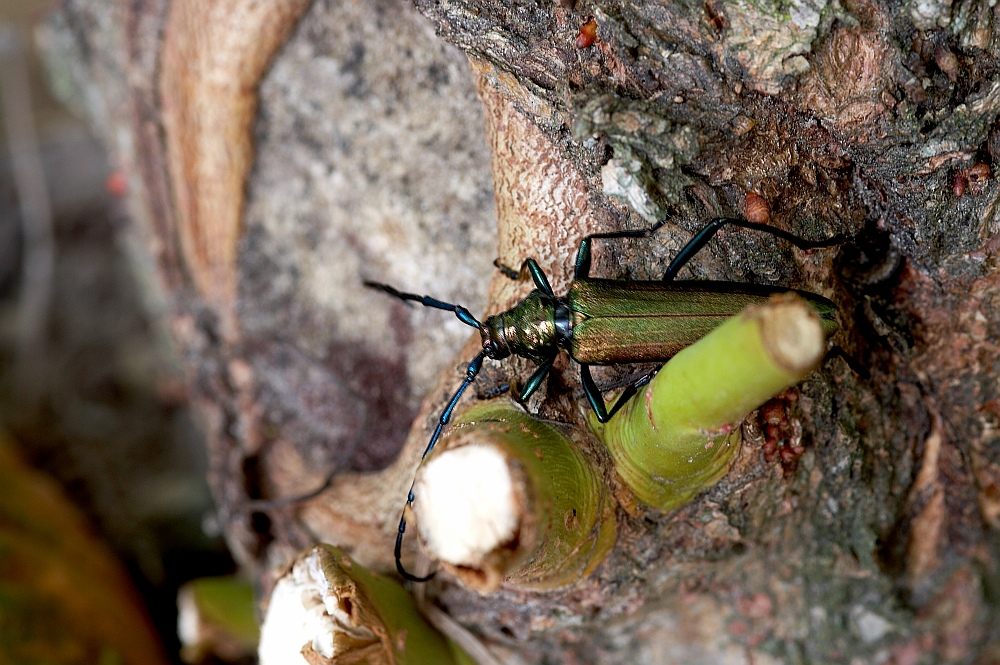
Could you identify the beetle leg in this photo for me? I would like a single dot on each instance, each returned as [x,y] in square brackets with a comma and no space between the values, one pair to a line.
[593,394]
[595,399]
[581,267]
[702,237]
[539,278]
[528,267]
[837,351]
[631,390]
[536,378]
[508,272]
[495,391]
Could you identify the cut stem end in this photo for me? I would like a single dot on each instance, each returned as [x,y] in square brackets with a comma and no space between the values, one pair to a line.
[791,333]
[327,608]
[468,506]
[508,499]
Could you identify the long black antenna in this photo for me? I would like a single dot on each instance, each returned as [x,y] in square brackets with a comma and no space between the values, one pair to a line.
[471,371]
[464,315]
[470,375]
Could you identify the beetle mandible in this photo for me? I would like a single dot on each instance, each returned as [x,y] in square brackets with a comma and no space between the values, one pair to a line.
[605,322]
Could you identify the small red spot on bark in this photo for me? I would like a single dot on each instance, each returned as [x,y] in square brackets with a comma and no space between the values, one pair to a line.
[587,35]
[959,185]
[116,184]
[972,179]
[781,440]
[977,175]
[757,606]
[756,208]
[739,628]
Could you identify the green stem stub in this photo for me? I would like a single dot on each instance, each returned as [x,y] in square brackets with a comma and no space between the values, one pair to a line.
[216,615]
[680,434]
[550,520]
[327,609]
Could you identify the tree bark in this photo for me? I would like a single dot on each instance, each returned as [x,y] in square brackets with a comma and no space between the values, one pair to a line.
[280,156]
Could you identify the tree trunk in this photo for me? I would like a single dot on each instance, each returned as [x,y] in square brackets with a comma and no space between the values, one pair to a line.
[281,153]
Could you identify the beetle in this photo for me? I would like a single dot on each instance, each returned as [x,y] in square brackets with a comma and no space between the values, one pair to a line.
[605,322]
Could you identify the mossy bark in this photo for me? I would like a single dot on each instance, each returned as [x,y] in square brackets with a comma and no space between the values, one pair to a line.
[876,538]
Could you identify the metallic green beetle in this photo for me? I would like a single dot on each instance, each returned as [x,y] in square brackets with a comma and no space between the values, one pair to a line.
[606,322]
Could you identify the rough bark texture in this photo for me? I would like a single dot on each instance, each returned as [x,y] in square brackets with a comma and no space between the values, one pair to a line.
[860,521]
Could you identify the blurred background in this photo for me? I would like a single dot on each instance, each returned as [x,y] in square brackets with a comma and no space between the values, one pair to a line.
[90,394]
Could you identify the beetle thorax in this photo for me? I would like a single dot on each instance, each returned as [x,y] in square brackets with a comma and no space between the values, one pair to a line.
[528,329]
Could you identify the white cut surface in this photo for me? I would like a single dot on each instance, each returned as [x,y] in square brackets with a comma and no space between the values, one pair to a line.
[302,611]
[291,622]
[189,619]
[793,334]
[465,504]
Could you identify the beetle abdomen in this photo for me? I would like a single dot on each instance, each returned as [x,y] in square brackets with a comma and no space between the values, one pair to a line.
[610,340]
[621,322]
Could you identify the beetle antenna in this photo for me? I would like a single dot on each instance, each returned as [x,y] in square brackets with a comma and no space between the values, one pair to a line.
[471,371]
[464,315]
